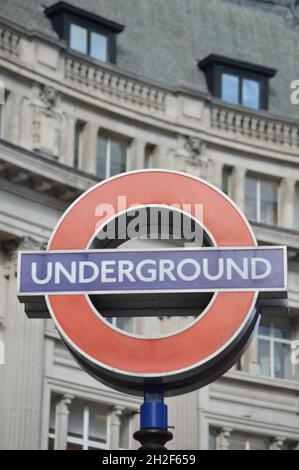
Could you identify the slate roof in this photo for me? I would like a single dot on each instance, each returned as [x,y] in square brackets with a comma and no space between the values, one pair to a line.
[164,39]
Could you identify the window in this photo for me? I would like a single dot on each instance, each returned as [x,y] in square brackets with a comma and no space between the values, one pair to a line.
[238,90]
[274,348]
[236,440]
[87,425]
[3,99]
[78,38]
[88,42]
[148,156]
[240,441]
[237,82]
[85,32]
[111,156]
[261,200]
[79,128]
[226,179]
[123,323]
[296,208]
[2,110]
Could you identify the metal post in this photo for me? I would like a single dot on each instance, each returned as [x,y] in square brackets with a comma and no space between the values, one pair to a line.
[153,433]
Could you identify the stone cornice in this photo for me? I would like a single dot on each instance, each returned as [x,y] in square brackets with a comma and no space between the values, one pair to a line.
[42,174]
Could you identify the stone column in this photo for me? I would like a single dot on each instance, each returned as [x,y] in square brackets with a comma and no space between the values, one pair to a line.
[89,146]
[12,116]
[214,173]
[62,419]
[251,364]
[223,438]
[286,203]
[22,373]
[68,141]
[135,154]
[114,427]
[238,182]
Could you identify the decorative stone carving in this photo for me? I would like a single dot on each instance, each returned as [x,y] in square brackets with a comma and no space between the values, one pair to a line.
[196,161]
[48,96]
[11,248]
[223,438]
[46,131]
[278,443]
[194,147]
[114,431]
[62,417]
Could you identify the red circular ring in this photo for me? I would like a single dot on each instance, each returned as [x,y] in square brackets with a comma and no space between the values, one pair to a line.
[105,346]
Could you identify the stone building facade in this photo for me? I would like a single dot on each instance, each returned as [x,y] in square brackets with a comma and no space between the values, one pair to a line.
[94,88]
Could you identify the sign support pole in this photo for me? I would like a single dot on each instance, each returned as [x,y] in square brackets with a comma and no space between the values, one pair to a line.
[153,433]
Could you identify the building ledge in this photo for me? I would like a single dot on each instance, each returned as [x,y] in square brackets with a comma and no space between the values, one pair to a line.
[257,380]
[41,173]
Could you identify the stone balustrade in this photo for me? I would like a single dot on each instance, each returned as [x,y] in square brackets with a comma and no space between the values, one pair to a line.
[113,84]
[244,123]
[9,42]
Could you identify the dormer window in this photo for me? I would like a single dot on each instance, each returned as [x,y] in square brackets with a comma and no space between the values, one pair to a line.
[236,82]
[85,32]
[89,42]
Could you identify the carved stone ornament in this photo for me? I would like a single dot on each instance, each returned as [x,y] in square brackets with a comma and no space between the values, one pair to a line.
[48,96]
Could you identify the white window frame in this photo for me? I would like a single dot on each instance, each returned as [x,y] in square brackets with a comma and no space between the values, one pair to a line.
[247,437]
[108,155]
[113,322]
[272,340]
[85,442]
[259,180]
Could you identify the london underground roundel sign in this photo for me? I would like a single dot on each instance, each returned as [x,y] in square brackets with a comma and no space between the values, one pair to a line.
[70,271]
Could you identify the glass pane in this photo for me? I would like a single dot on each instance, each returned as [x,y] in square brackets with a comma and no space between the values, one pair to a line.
[124,323]
[72,446]
[78,38]
[226,174]
[282,328]
[98,46]
[101,156]
[97,423]
[118,157]
[79,126]
[230,88]
[251,198]
[212,439]
[124,432]
[75,426]
[1,120]
[50,443]
[264,357]
[269,190]
[265,326]
[251,93]
[282,361]
[296,208]
[237,442]
[258,443]
[52,415]
[148,156]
